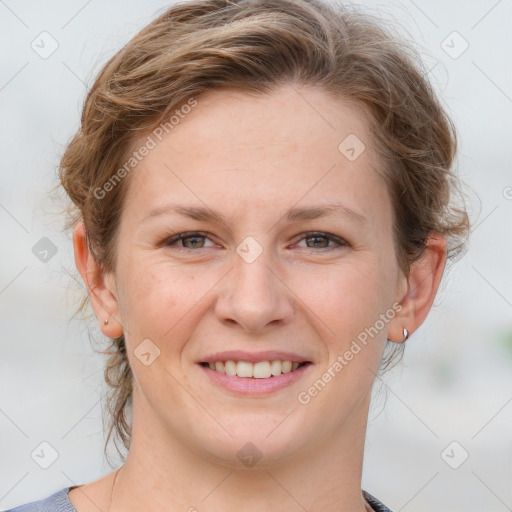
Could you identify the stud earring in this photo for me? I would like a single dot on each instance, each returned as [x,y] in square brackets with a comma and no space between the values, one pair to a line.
[406,333]
[105,321]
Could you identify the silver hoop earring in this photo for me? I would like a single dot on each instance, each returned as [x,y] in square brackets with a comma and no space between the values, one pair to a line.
[406,333]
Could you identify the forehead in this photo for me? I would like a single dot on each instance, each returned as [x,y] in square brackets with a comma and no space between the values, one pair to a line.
[236,151]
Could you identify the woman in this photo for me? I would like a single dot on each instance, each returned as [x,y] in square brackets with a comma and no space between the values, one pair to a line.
[263,211]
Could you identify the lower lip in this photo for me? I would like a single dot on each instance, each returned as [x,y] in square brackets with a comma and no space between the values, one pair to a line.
[252,386]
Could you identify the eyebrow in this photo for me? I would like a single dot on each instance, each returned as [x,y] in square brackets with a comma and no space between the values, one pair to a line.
[294,214]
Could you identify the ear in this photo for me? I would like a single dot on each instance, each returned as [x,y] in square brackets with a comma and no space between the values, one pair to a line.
[100,285]
[422,285]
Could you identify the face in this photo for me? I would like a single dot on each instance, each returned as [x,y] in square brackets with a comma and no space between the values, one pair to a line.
[264,275]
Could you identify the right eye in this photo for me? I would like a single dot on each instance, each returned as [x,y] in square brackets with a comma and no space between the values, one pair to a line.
[194,237]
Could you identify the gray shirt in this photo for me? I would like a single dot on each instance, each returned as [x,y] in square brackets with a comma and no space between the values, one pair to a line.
[59,502]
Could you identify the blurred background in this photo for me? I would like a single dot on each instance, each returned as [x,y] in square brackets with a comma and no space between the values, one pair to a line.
[440,427]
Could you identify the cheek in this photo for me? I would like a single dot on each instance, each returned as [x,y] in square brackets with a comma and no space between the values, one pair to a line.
[154,297]
[345,297]
[348,304]
[165,302]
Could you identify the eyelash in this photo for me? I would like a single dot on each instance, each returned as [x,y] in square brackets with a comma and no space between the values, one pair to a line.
[169,242]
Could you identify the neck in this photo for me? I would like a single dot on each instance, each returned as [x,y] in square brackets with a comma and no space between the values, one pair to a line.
[162,473]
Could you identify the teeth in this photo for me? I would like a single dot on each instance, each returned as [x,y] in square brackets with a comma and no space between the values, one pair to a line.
[260,370]
[230,368]
[275,367]
[244,369]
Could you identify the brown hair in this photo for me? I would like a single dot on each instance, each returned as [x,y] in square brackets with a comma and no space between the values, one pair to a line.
[255,46]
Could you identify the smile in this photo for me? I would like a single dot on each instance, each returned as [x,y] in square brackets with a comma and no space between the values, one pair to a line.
[243,378]
[259,370]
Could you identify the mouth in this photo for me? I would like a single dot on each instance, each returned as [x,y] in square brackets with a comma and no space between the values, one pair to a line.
[259,379]
[259,370]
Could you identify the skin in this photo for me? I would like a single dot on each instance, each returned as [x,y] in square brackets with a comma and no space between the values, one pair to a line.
[307,295]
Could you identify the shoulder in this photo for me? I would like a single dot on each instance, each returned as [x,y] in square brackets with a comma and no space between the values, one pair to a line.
[57,502]
[377,505]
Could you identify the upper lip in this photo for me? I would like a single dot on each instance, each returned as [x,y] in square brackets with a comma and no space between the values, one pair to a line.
[254,357]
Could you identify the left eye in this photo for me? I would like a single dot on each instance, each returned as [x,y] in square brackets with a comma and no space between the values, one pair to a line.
[195,240]
[326,236]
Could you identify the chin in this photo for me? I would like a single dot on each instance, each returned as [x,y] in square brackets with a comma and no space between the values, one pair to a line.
[258,445]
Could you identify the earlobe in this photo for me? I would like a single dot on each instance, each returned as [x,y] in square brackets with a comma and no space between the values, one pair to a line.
[398,338]
[422,285]
[100,289]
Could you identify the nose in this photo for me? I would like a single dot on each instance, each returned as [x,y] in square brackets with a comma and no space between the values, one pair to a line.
[255,296]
